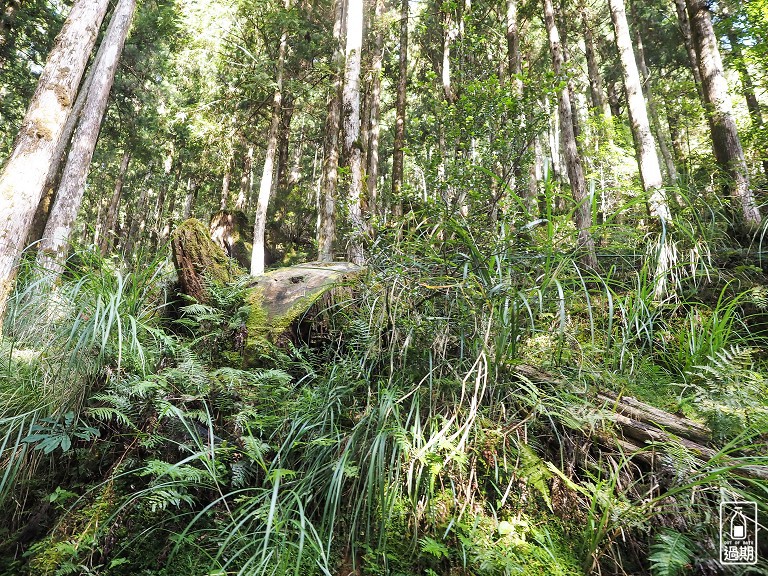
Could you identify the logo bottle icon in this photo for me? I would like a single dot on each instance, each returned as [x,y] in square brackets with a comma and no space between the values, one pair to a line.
[738,525]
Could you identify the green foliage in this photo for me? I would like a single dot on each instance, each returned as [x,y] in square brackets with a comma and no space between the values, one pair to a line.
[729,393]
[671,553]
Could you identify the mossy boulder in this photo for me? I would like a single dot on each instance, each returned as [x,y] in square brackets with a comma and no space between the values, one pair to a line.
[280,299]
[232,232]
[196,255]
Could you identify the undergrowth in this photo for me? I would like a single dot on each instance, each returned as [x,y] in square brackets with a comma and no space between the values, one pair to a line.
[407,441]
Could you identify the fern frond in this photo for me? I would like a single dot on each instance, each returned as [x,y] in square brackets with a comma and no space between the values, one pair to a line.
[670,553]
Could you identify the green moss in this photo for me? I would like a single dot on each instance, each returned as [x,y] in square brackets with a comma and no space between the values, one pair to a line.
[195,254]
[266,328]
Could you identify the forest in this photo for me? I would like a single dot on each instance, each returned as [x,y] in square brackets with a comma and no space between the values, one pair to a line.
[383,287]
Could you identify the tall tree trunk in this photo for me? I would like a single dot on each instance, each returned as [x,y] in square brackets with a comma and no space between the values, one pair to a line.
[53,177]
[374,110]
[23,177]
[725,138]
[514,59]
[246,180]
[645,146]
[283,144]
[747,85]
[693,59]
[225,183]
[450,32]
[645,74]
[138,218]
[563,32]
[402,82]
[268,173]
[596,89]
[326,226]
[53,245]
[167,222]
[108,233]
[189,202]
[583,213]
[352,148]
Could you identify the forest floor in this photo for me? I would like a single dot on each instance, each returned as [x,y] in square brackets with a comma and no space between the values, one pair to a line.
[454,412]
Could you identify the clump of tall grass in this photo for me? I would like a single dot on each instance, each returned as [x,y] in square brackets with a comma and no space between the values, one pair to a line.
[59,340]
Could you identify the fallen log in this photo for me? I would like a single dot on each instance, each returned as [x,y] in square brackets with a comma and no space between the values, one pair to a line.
[637,410]
[642,427]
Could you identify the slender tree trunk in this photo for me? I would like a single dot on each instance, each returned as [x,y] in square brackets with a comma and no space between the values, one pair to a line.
[165,232]
[114,204]
[374,111]
[747,85]
[645,146]
[53,246]
[402,82]
[596,91]
[725,138]
[645,75]
[268,173]
[246,181]
[225,183]
[190,199]
[23,178]
[563,31]
[352,148]
[693,59]
[138,218]
[283,144]
[514,59]
[450,32]
[326,229]
[583,212]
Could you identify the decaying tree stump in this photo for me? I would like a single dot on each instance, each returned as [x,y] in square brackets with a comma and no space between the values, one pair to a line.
[195,254]
[233,234]
[279,299]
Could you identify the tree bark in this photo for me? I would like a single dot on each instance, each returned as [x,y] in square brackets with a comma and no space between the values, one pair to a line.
[514,59]
[374,110]
[23,177]
[190,199]
[326,229]
[352,148]
[450,32]
[166,222]
[725,137]
[53,246]
[246,180]
[747,85]
[53,177]
[645,145]
[225,183]
[108,233]
[596,91]
[693,59]
[400,104]
[583,213]
[138,218]
[645,74]
[283,144]
[268,173]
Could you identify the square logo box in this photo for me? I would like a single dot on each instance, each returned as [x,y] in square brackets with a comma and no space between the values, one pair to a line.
[738,533]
